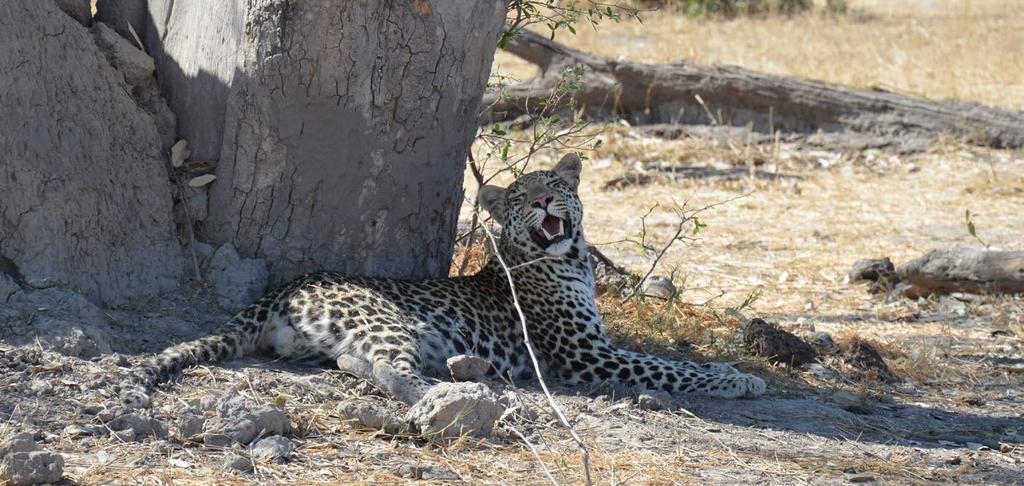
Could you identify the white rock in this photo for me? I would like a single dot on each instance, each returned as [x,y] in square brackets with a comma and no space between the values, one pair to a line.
[274,448]
[453,409]
[468,368]
[29,468]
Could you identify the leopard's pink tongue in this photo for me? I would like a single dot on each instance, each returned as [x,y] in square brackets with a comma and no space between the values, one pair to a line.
[552,225]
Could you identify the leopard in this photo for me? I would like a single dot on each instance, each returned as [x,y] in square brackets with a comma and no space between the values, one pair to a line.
[399,334]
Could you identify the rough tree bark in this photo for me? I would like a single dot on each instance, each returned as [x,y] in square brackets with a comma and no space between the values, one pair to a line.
[667,93]
[340,129]
[85,201]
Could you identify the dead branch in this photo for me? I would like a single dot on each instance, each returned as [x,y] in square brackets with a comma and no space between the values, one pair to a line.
[964,269]
[959,269]
[726,95]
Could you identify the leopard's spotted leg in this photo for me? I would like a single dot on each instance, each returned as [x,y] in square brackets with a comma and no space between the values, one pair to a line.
[401,381]
[653,373]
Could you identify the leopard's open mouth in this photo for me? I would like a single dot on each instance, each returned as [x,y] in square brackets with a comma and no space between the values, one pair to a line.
[552,230]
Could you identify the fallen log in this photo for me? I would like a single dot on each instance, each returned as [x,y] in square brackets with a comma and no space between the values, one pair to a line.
[683,93]
[649,172]
[964,269]
[960,269]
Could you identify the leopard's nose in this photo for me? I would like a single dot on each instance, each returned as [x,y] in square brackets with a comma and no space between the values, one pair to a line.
[542,202]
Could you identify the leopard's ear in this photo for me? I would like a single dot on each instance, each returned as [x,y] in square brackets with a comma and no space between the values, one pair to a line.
[569,169]
[492,199]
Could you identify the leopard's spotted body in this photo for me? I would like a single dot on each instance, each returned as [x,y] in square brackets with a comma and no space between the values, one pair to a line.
[399,334]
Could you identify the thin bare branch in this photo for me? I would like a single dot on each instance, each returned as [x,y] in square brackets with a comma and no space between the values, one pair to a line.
[536,364]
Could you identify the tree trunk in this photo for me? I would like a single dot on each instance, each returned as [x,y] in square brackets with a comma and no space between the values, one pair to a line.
[668,93]
[85,200]
[339,129]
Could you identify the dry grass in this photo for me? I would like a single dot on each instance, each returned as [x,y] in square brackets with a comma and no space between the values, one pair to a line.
[963,49]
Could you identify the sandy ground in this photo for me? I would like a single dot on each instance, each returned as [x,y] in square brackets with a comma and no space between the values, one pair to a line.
[952,415]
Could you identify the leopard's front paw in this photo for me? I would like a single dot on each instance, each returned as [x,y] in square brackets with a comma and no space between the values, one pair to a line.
[736,386]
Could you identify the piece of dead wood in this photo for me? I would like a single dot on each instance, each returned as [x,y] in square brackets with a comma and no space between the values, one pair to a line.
[725,135]
[958,269]
[683,93]
[964,269]
[880,273]
[652,171]
[778,346]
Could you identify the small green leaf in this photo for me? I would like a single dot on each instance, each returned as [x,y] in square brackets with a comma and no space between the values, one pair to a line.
[698,226]
[970,223]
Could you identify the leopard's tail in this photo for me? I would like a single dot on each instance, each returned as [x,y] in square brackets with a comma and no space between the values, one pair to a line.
[238,337]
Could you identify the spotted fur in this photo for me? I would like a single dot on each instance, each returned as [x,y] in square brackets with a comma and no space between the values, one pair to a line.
[399,334]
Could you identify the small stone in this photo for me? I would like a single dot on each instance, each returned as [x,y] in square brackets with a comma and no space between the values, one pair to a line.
[104,457]
[654,401]
[126,435]
[274,448]
[369,415]
[242,426]
[468,368]
[860,478]
[217,439]
[21,442]
[140,425]
[659,287]
[83,430]
[425,472]
[238,463]
[28,468]
[190,425]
